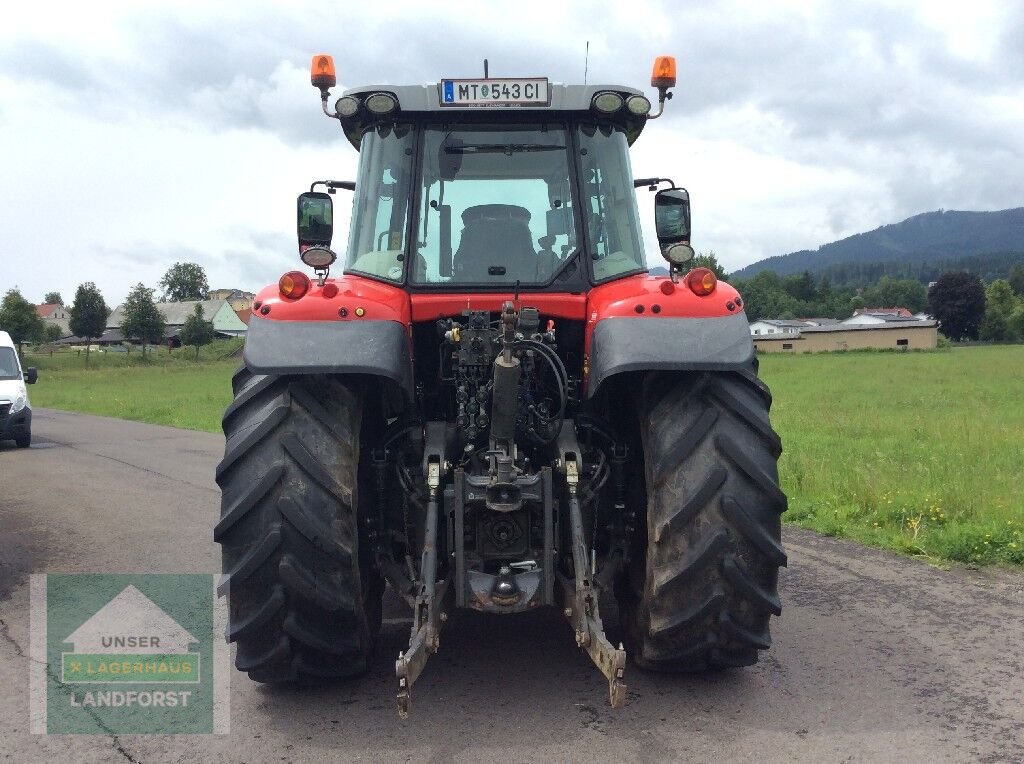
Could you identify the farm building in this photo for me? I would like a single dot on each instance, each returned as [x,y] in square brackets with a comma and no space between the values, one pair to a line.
[896,311]
[768,326]
[902,335]
[226,322]
[237,298]
[776,326]
[218,312]
[55,314]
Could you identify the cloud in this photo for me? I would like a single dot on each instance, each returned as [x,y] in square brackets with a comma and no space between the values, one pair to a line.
[137,135]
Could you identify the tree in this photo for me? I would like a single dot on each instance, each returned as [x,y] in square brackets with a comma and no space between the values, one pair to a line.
[51,333]
[184,281]
[53,298]
[957,300]
[1000,306]
[1016,279]
[197,330]
[88,314]
[140,319]
[892,293]
[18,318]
[999,296]
[824,290]
[765,297]
[1016,322]
[710,261]
[801,287]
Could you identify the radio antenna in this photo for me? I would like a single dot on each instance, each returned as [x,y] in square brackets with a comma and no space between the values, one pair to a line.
[586,62]
[485,69]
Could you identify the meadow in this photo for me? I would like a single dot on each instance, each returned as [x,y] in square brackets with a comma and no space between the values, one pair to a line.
[917,452]
[166,388]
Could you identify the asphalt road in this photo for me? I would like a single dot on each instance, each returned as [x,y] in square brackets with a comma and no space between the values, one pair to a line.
[875,658]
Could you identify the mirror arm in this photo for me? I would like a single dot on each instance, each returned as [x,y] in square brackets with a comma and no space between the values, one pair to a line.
[652,183]
[333,185]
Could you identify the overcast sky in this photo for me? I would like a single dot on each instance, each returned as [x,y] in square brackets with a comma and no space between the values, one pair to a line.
[135,134]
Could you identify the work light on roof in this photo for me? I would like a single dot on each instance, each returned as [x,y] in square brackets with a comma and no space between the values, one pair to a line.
[638,105]
[607,103]
[381,103]
[346,106]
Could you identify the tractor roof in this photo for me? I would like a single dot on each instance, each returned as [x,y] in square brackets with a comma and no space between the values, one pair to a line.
[427,102]
[427,98]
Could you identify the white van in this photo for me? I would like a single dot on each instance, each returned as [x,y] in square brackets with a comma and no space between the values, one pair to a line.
[15,411]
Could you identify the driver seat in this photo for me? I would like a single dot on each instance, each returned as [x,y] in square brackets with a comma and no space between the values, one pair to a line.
[495,236]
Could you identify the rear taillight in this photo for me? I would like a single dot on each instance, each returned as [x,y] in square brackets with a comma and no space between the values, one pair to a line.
[293,284]
[701,281]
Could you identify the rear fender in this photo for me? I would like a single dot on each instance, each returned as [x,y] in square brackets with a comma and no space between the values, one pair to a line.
[637,324]
[351,325]
[374,348]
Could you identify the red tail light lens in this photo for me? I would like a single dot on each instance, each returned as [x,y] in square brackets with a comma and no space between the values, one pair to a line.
[293,284]
[701,281]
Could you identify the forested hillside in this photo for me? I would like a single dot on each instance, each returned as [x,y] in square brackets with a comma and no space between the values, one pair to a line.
[922,247]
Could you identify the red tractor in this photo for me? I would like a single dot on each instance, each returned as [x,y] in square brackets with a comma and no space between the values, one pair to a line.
[497,407]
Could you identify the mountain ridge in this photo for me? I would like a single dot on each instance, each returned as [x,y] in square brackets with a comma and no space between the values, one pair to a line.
[940,236]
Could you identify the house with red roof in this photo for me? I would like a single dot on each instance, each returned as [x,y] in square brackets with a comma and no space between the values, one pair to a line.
[55,313]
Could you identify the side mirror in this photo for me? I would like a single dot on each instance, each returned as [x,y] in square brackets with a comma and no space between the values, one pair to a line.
[672,216]
[672,223]
[315,219]
[31,375]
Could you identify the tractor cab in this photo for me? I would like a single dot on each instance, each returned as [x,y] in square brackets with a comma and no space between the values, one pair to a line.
[485,184]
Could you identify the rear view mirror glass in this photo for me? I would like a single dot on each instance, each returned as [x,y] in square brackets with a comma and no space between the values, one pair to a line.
[315,219]
[672,215]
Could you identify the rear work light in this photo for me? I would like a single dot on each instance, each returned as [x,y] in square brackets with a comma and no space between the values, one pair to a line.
[346,106]
[381,103]
[293,284]
[607,103]
[638,105]
[701,281]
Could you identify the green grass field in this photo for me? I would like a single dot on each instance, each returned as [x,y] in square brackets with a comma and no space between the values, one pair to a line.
[167,388]
[918,452]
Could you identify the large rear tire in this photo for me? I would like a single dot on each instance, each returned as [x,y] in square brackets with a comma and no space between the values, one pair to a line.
[699,596]
[303,605]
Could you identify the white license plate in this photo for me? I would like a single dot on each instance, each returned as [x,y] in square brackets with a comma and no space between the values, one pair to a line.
[495,92]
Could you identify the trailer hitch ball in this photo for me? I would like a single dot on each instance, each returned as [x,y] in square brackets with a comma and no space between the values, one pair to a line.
[506,590]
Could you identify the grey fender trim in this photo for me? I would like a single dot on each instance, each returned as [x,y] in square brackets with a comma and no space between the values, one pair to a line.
[377,348]
[668,344]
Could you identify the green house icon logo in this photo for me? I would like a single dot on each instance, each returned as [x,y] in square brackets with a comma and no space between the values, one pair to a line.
[130,640]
